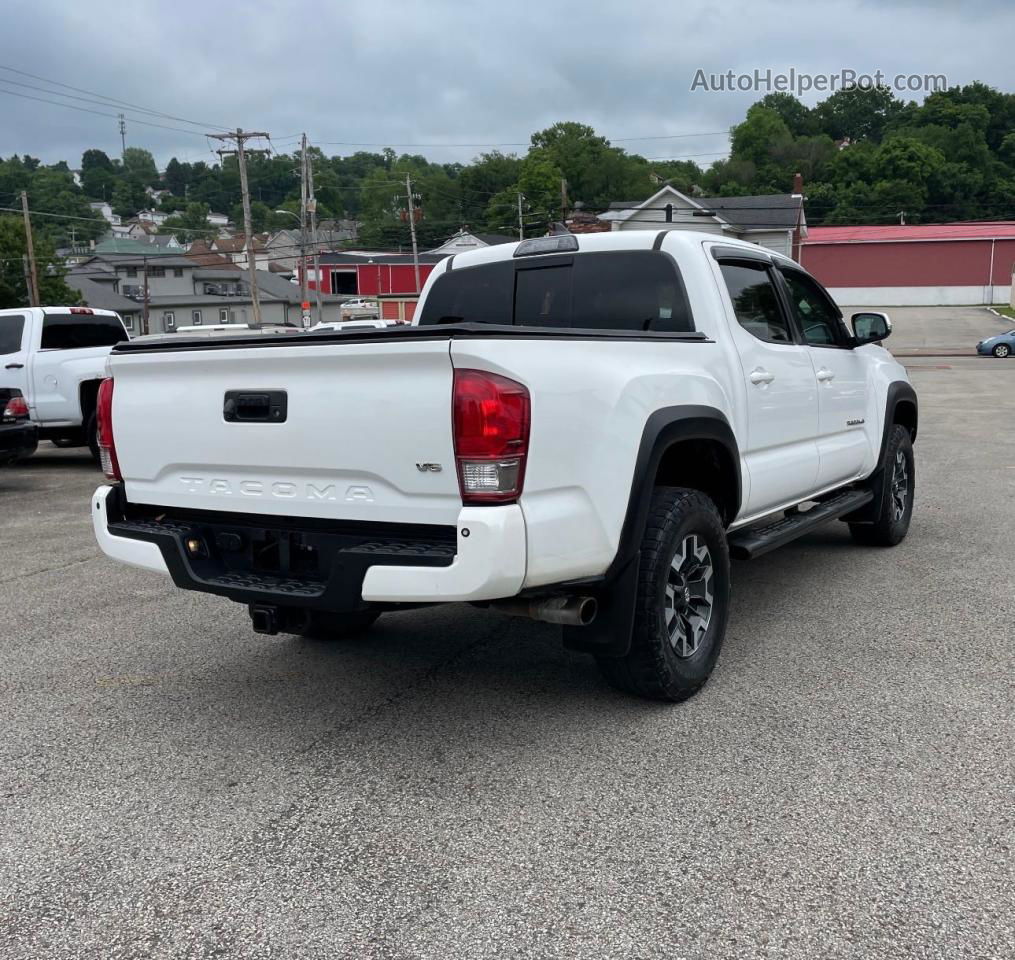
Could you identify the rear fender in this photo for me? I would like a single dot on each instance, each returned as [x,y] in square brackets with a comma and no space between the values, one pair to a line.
[610,633]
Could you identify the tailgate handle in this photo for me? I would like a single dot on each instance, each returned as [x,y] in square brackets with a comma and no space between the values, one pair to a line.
[255,406]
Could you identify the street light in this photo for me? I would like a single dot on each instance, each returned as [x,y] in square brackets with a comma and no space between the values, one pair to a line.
[303,264]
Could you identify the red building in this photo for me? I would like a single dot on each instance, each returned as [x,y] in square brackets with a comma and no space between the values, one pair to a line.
[372,274]
[920,265]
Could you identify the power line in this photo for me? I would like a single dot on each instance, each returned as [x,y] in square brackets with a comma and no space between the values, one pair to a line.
[703,211]
[155,257]
[112,100]
[686,156]
[71,96]
[517,143]
[98,113]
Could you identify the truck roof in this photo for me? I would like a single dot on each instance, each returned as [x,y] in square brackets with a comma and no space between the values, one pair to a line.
[614,240]
[98,311]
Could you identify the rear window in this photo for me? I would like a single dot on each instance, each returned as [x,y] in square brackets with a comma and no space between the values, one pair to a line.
[74,331]
[11,330]
[624,290]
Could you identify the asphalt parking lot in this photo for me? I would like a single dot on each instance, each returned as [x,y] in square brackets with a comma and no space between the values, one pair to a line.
[457,785]
[938,330]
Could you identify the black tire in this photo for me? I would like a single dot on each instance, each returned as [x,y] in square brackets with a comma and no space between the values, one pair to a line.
[64,442]
[92,435]
[891,523]
[659,665]
[339,626]
[1001,351]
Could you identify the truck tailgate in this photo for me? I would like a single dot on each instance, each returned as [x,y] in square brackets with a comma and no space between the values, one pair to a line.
[366,435]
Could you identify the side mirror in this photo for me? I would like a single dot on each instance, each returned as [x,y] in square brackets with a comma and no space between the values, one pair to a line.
[870,327]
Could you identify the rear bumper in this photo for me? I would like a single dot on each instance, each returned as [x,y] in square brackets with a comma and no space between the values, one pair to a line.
[17,440]
[481,558]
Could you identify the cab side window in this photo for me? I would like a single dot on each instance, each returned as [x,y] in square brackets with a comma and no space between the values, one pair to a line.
[11,330]
[818,318]
[755,302]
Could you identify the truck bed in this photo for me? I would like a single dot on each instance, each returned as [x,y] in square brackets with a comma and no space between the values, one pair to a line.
[367,434]
[448,331]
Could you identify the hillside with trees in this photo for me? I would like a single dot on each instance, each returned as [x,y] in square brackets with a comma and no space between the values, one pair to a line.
[865,157]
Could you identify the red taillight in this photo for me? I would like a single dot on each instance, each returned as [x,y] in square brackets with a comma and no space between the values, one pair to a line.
[104,416]
[84,310]
[491,424]
[16,407]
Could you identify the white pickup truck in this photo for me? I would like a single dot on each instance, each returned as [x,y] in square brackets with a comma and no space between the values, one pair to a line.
[56,357]
[577,429]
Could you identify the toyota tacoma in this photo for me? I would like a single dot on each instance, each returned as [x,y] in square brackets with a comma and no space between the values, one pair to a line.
[578,429]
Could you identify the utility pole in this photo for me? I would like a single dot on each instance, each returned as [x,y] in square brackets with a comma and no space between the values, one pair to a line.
[312,207]
[412,231]
[239,137]
[123,135]
[563,200]
[144,287]
[521,227]
[902,218]
[303,229]
[33,287]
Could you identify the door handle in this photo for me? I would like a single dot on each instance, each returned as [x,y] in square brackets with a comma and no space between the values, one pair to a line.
[824,375]
[248,406]
[14,366]
[761,376]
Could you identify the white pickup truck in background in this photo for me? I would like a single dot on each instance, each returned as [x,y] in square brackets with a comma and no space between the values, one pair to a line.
[56,357]
[578,429]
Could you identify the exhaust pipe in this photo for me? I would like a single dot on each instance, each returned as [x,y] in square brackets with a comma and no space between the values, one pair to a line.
[568,611]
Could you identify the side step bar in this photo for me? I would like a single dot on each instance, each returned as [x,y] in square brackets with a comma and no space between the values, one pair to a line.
[752,542]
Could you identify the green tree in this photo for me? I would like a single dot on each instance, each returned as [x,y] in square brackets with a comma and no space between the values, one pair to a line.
[539,184]
[762,132]
[140,165]
[859,113]
[192,224]
[683,175]
[206,186]
[177,177]
[490,174]
[799,119]
[98,175]
[1007,149]
[13,289]
[260,216]
[128,197]
[902,158]
[596,173]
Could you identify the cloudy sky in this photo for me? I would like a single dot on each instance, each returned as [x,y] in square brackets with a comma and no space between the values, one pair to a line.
[452,77]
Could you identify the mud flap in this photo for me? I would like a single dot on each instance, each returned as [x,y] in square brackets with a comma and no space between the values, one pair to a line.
[609,635]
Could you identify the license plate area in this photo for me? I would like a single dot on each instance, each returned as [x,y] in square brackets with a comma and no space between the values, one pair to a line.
[284,554]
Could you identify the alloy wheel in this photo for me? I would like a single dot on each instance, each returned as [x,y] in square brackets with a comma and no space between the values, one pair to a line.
[900,486]
[687,606]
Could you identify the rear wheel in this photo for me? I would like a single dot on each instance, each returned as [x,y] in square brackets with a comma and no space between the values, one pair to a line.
[339,626]
[895,510]
[682,601]
[1002,350]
